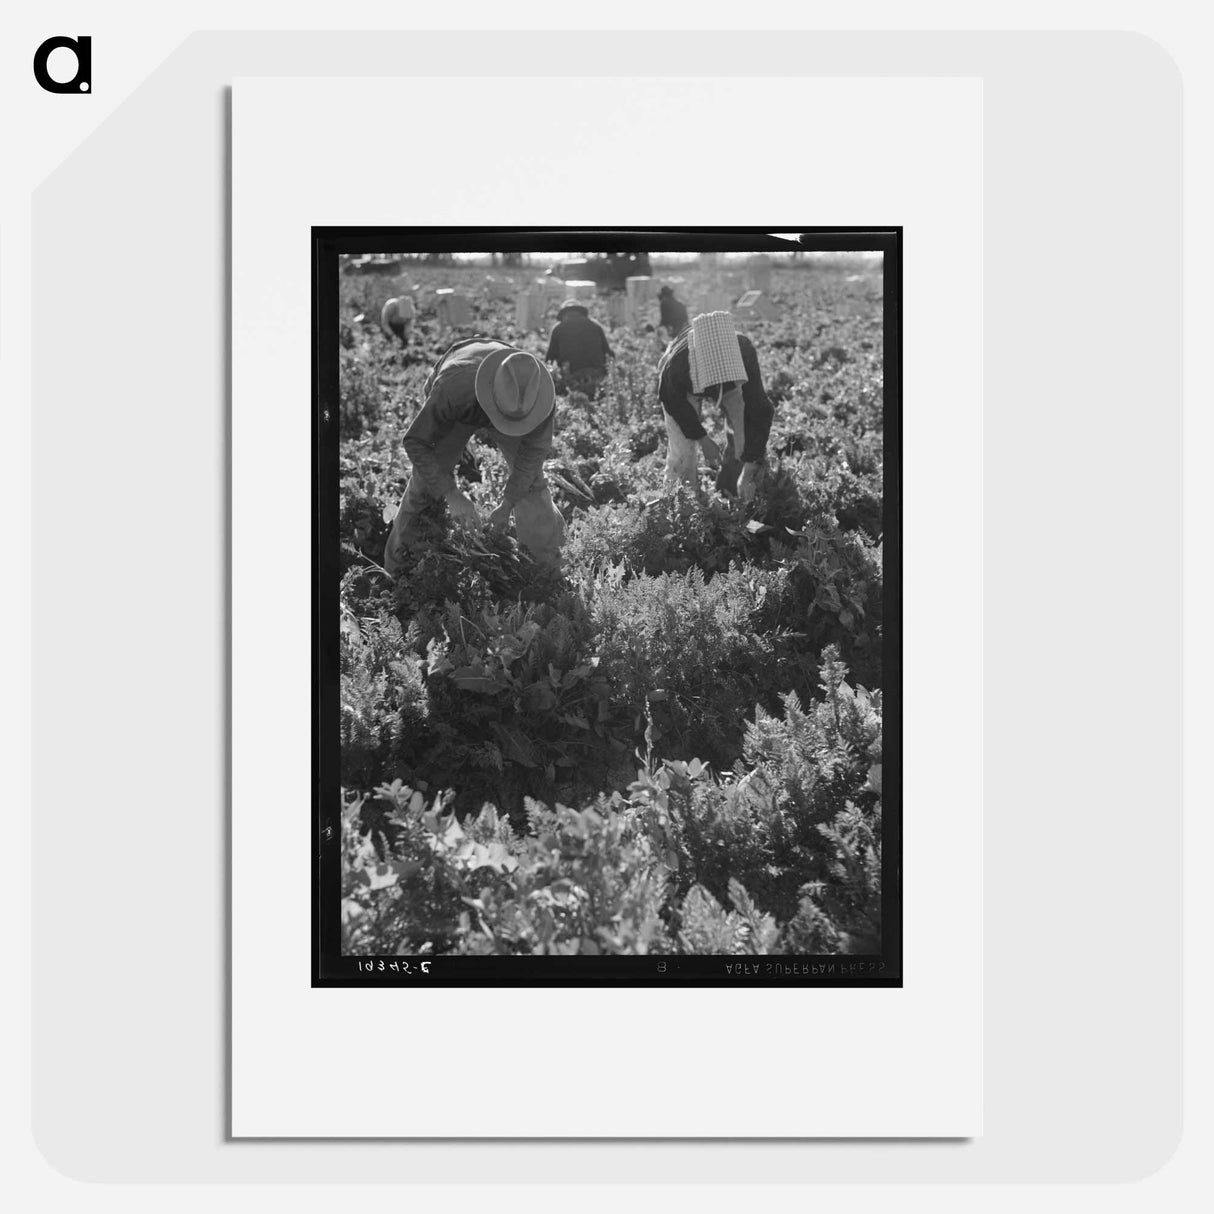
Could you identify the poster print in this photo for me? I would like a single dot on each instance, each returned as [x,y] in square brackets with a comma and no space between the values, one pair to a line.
[607,612]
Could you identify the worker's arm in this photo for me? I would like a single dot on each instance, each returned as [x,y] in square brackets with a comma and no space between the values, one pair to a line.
[384,316]
[674,384]
[554,347]
[757,409]
[533,450]
[431,424]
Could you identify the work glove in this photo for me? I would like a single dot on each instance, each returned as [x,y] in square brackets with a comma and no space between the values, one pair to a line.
[712,453]
[463,512]
[499,520]
[748,481]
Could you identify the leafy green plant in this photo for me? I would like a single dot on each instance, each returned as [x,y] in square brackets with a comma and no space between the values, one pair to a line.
[383,696]
[540,700]
[648,872]
[842,914]
[830,594]
[667,533]
[580,882]
[688,649]
[761,822]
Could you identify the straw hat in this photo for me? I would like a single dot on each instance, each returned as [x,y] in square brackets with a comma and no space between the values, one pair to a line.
[713,351]
[572,305]
[515,389]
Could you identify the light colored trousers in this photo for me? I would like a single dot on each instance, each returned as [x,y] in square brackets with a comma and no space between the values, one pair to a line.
[683,453]
[537,522]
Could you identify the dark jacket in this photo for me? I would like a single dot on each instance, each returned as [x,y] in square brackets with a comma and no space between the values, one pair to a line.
[580,343]
[450,404]
[674,383]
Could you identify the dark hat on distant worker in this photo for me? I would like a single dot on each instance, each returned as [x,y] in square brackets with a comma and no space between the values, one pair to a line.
[572,305]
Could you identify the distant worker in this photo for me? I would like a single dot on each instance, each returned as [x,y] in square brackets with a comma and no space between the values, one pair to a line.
[710,362]
[579,347]
[674,312]
[397,318]
[507,394]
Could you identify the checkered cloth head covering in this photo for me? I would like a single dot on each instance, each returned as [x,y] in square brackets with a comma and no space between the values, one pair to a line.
[712,345]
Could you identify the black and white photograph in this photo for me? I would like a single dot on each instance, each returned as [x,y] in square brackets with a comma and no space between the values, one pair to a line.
[607,614]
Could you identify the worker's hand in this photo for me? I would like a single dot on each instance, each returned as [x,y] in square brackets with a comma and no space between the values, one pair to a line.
[499,520]
[463,512]
[712,453]
[747,482]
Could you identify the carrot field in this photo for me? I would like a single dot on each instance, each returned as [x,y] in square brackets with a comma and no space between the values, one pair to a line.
[673,746]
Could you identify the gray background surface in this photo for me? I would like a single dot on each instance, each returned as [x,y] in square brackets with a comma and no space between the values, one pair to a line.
[1082,619]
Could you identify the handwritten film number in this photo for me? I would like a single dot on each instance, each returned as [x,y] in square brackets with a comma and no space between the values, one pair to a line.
[393,967]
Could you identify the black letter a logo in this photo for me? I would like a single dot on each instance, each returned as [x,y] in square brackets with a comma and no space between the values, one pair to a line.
[82,48]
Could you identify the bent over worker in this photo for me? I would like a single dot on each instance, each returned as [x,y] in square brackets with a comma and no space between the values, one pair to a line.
[506,394]
[579,346]
[710,362]
[396,317]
